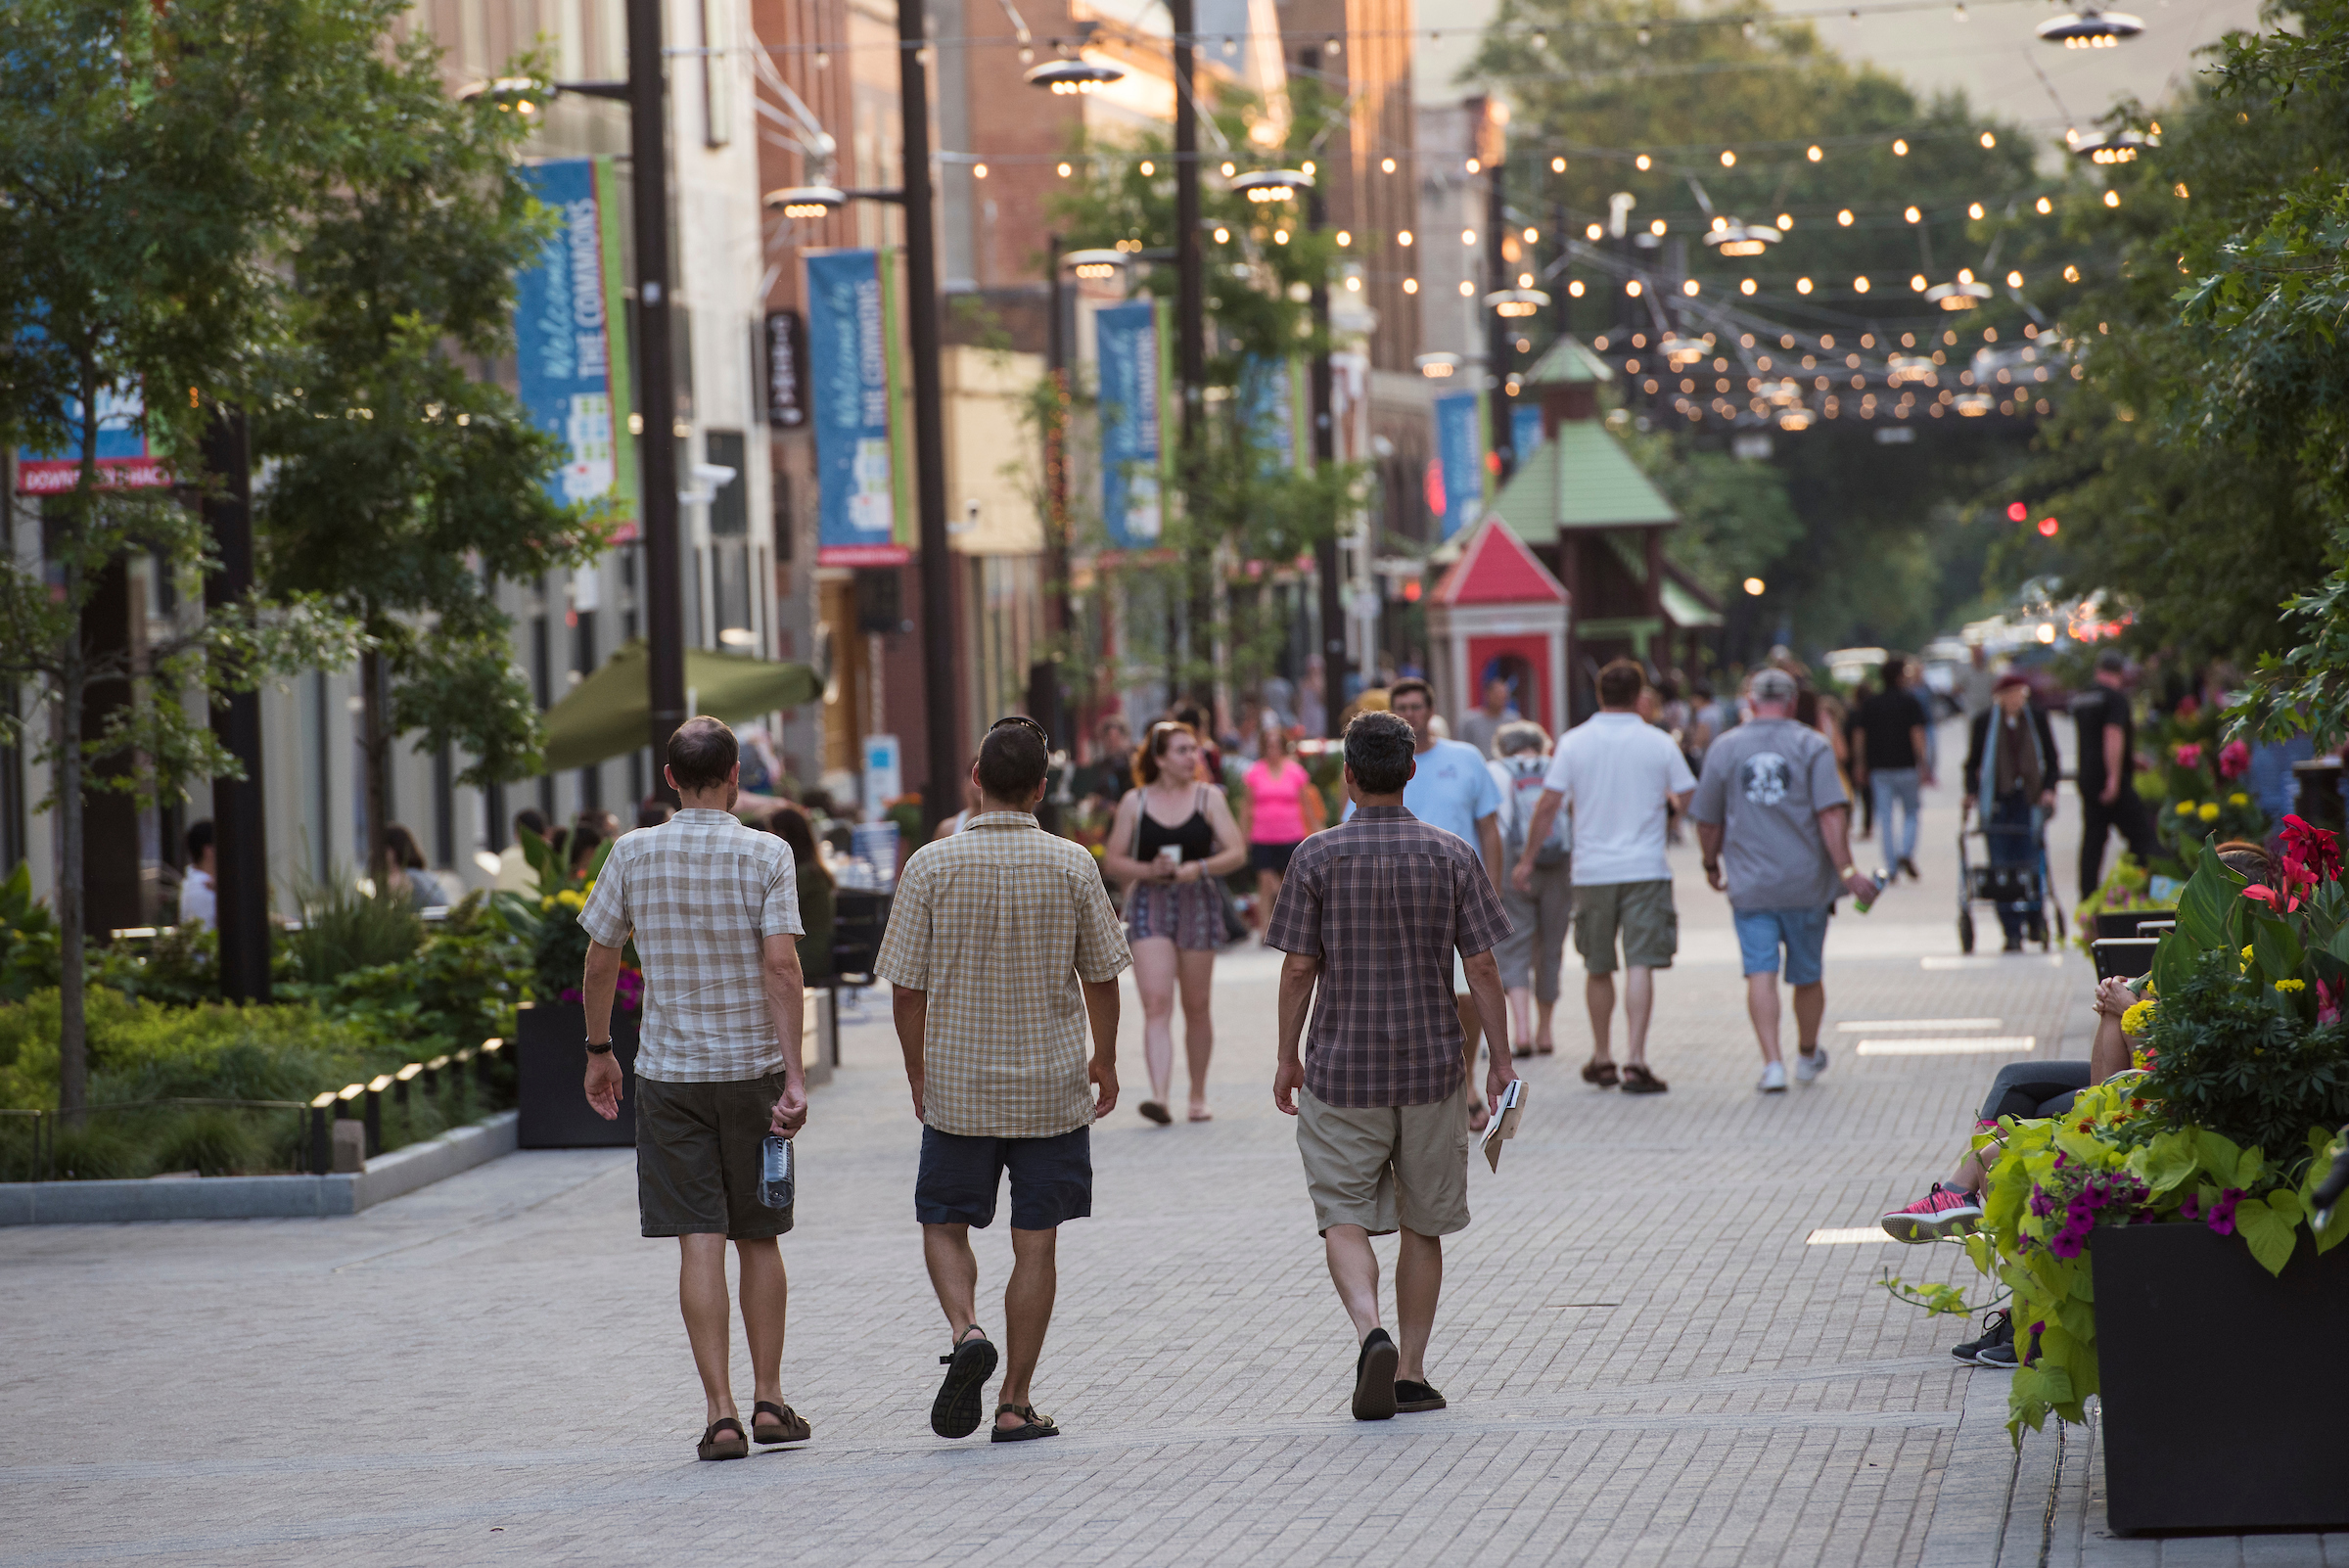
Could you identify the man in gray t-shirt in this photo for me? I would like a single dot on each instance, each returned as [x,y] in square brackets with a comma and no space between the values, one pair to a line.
[1772,805]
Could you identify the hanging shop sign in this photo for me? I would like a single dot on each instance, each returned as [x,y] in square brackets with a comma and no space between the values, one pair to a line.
[1459,447]
[1132,401]
[853,389]
[571,336]
[786,370]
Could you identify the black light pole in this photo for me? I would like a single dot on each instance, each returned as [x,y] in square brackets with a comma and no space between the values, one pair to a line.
[1325,454]
[1190,315]
[240,841]
[1498,331]
[657,394]
[942,796]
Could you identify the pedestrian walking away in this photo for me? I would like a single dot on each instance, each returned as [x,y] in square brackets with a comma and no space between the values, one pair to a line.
[2010,774]
[1283,809]
[1002,953]
[2105,761]
[1451,789]
[1774,825]
[1533,952]
[713,909]
[1375,914]
[1894,761]
[1617,776]
[199,892]
[1172,838]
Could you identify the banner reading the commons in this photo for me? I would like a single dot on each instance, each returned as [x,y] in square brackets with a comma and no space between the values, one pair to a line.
[1460,451]
[849,385]
[572,339]
[1125,340]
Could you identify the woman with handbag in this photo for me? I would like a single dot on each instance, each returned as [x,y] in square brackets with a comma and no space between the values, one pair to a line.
[1535,947]
[1173,839]
[1284,810]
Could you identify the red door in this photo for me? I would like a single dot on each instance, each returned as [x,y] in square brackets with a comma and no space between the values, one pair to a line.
[1523,660]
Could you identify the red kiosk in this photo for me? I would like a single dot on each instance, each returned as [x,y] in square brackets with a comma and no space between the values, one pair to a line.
[1499,610]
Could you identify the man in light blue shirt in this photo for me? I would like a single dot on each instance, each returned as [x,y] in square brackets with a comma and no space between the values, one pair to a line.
[1451,789]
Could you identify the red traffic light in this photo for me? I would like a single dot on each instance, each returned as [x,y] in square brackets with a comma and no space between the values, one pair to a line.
[2018,512]
[2047,527]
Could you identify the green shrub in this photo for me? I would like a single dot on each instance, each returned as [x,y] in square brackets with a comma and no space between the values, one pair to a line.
[210,1142]
[2232,1055]
[96,1153]
[142,1051]
[343,928]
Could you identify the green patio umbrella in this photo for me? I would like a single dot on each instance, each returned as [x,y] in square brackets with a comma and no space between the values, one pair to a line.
[607,714]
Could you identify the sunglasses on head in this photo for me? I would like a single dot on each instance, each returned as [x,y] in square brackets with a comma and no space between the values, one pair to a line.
[1021,721]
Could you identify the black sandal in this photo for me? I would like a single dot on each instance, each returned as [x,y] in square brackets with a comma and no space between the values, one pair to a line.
[954,1413]
[714,1447]
[1032,1427]
[1598,1073]
[790,1426]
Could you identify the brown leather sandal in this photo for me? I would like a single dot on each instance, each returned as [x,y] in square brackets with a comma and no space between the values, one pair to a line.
[788,1425]
[1637,1080]
[714,1447]
[1599,1073]
[1031,1426]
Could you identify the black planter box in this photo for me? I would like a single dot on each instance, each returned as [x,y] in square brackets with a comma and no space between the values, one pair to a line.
[2125,924]
[2223,1384]
[550,1065]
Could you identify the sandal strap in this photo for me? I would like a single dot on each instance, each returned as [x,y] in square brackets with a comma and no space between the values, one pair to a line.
[781,1412]
[721,1423]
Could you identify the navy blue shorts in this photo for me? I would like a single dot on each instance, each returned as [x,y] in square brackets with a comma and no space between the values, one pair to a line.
[1051,1179]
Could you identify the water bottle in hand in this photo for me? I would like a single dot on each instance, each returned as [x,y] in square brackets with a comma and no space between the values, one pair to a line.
[777,1172]
[1863,906]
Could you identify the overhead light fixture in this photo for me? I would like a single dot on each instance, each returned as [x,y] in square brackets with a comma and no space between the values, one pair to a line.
[2090,28]
[805,201]
[1975,404]
[1735,237]
[1095,265]
[1514,304]
[1902,368]
[512,95]
[1070,77]
[1963,295]
[1794,418]
[2121,147]
[1437,367]
[1273,184]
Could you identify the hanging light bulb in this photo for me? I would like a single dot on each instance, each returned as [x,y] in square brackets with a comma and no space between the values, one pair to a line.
[1989,140]
[1900,147]
[2044,207]
[1814,155]
[1913,215]
[1386,165]
[1595,231]
[1974,211]
[1643,162]
[1802,285]
[1745,286]
[1728,160]
[1844,217]
[1557,166]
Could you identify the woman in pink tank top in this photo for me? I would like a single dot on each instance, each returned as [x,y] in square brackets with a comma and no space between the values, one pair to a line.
[1283,808]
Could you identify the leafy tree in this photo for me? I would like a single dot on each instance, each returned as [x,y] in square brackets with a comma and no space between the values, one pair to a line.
[152,161]
[405,488]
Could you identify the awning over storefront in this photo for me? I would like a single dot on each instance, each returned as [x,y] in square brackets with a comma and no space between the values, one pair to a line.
[607,714]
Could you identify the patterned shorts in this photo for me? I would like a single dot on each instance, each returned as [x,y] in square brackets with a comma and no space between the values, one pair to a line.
[1190,912]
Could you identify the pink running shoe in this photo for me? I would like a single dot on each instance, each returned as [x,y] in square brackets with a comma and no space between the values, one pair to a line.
[1942,1213]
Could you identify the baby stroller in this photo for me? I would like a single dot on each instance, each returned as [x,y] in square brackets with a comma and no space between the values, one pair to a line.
[2017,885]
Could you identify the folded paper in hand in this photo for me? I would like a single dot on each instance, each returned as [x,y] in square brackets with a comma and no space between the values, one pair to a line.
[1505,1114]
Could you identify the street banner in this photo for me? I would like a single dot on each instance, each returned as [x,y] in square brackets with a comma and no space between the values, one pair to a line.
[1275,394]
[1525,432]
[125,462]
[1126,345]
[849,383]
[570,336]
[1459,446]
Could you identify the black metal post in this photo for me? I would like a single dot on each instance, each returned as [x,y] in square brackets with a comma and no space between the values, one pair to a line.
[657,386]
[240,839]
[322,1145]
[374,1121]
[1498,331]
[942,700]
[1325,454]
[1190,321]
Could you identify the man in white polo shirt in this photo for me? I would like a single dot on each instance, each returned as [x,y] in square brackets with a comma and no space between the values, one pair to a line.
[1619,775]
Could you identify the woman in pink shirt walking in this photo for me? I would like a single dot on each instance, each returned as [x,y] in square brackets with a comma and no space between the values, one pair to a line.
[1283,809]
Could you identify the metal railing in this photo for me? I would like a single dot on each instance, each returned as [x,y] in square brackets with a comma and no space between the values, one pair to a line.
[314,1153]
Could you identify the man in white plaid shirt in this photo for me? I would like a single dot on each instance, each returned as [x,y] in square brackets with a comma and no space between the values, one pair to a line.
[714,908]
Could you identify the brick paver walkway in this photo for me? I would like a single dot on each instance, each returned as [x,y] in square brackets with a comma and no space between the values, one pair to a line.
[1645,1362]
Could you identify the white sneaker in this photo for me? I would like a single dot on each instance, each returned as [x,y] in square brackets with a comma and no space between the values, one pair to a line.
[1774,1077]
[1808,1068]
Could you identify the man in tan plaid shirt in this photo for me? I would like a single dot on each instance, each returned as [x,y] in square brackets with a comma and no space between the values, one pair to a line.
[714,911]
[1001,950]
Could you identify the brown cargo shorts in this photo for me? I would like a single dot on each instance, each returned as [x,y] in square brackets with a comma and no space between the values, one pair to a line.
[698,1158]
[1387,1167]
[1642,911]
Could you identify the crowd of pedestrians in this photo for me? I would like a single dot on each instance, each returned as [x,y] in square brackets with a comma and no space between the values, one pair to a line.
[1423,931]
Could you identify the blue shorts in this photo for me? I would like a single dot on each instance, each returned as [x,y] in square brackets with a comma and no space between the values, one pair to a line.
[1803,931]
[1051,1179]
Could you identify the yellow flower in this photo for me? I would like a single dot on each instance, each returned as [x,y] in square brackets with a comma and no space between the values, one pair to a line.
[2185,808]
[547,902]
[2136,1018]
[2208,810]
[2290,987]
[2238,798]
[569,900]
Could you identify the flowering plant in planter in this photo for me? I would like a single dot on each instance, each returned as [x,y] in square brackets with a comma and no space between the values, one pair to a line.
[2227,1123]
[559,949]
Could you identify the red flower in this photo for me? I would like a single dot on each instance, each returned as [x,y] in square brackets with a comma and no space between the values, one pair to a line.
[2189,753]
[2314,850]
[2279,903]
[2234,760]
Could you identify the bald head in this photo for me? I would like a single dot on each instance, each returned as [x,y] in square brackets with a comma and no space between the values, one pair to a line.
[702,755]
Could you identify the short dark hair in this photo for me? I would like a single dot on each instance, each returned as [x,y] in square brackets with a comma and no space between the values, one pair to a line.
[702,751]
[1379,748]
[2113,661]
[1013,759]
[654,812]
[1395,695]
[527,820]
[1619,682]
[199,839]
[1896,669]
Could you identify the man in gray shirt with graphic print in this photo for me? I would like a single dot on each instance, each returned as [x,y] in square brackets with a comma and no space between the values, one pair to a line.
[1771,806]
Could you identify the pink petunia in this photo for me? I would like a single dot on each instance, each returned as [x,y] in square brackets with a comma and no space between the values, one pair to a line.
[2189,753]
[2234,760]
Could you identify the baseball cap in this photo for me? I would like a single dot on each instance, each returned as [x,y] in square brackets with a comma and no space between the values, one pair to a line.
[1773,686]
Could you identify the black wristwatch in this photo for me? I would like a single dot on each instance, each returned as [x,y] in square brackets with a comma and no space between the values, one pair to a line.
[593,1049]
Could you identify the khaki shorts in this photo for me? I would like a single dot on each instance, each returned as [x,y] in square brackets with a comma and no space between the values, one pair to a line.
[1387,1167]
[1642,911]
[698,1148]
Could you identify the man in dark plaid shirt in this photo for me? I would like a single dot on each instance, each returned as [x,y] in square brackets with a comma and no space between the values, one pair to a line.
[1369,916]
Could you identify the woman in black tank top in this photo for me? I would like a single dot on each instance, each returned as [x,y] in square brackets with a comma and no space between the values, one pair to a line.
[1168,857]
